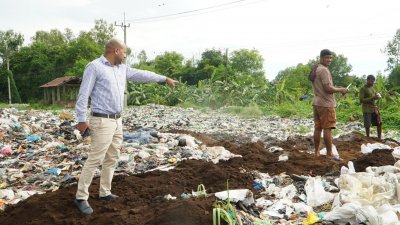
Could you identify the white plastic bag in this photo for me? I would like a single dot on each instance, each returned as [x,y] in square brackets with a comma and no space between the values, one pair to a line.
[368,148]
[316,195]
[244,195]
[368,215]
[348,170]
[345,212]
[396,152]
[388,214]
[334,151]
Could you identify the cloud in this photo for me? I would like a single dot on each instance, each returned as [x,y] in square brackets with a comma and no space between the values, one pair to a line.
[69,3]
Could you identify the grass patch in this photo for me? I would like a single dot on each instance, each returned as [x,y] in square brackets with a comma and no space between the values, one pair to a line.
[187,105]
[247,112]
[301,129]
[35,106]
[38,106]
[301,109]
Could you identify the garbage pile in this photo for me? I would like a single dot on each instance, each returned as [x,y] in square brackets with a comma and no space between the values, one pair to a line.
[371,197]
[265,128]
[43,151]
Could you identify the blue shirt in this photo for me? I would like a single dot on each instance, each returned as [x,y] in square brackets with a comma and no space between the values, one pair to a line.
[105,85]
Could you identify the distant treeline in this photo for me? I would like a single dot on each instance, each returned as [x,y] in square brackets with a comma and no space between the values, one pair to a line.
[237,77]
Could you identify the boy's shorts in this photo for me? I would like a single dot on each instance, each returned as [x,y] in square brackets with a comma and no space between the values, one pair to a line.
[370,119]
[324,117]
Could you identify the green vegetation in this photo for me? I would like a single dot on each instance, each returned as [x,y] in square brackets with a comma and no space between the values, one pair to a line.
[232,80]
[251,111]
[34,106]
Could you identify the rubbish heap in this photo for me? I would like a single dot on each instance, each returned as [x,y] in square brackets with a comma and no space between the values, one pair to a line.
[43,151]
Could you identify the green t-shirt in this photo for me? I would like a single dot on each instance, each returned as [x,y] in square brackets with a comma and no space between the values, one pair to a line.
[367,98]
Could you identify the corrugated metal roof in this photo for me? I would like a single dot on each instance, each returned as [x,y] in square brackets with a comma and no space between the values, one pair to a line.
[60,81]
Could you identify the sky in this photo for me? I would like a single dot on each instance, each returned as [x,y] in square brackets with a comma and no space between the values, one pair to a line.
[285,32]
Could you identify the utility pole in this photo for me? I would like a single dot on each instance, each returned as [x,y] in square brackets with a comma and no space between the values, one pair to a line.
[226,66]
[9,85]
[8,77]
[123,25]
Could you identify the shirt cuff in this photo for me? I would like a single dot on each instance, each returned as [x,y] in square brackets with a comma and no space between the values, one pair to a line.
[162,79]
[82,118]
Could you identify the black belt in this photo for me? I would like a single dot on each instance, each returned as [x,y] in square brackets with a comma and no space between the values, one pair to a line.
[109,116]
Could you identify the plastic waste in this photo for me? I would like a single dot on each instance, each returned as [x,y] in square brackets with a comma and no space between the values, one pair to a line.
[262,222]
[142,136]
[201,191]
[185,196]
[169,197]
[33,138]
[334,151]
[62,148]
[54,171]
[396,152]
[7,194]
[218,153]
[274,149]
[6,150]
[316,195]
[312,218]
[348,170]
[283,158]
[300,207]
[368,148]
[257,184]
[244,195]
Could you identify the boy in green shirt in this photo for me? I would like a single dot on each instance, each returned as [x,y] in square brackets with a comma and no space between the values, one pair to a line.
[371,114]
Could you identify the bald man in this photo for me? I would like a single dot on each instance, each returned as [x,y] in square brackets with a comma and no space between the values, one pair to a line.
[104,82]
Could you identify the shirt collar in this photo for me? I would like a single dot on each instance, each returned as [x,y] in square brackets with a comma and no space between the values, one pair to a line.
[105,61]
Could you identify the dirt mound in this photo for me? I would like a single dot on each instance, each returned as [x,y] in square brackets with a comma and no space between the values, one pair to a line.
[378,157]
[142,199]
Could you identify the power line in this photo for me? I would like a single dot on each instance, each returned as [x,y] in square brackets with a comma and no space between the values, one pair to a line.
[190,12]
[355,40]
[186,12]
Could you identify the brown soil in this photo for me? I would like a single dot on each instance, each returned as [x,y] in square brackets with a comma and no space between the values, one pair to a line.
[141,199]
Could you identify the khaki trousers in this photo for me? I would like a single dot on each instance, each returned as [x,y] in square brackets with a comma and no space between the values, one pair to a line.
[106,135]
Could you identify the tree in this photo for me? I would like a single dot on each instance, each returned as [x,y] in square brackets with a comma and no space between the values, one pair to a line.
[246,61]
[169,63]
[55,54]
[394,77]
[68,35]
[211,57]
[101,33]
[211,61]
[296,79]
[52,38]
[142,57]
[189,73]
[9,44]
[392,50]
[83,48]
[39,63]
[35,67]
[78,67]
